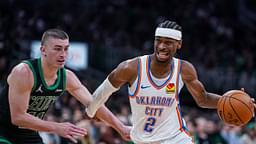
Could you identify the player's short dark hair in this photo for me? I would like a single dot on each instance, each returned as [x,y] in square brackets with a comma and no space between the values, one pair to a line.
[54,33]
[170,24]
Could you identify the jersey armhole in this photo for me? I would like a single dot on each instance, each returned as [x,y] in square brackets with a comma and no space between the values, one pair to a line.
[180,75]
[64,80]
[138,79]
[33,71]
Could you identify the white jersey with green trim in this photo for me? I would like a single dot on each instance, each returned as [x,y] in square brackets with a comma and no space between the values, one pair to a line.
[155,103]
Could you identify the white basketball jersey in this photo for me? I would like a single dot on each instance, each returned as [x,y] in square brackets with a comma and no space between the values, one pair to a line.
[155,108]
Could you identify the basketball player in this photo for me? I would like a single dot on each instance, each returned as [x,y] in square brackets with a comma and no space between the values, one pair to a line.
[34,85]
[155,82]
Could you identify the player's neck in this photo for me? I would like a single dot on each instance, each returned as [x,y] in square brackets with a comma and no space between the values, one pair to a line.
[49,72]
[160,69]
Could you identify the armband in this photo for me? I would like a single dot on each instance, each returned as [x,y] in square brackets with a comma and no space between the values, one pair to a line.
[100,96]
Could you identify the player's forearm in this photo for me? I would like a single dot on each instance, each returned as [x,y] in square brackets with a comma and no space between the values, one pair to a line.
[30,122]
[211,100]
[100,96]
[107,117]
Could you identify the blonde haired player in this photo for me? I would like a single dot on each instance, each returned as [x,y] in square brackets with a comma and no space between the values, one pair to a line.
[34,85]
[155,82]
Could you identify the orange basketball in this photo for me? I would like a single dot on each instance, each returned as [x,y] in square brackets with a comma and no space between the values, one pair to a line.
[235,107]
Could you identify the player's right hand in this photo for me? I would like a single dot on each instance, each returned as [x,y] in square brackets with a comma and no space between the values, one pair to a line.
[125,133]
[70,131]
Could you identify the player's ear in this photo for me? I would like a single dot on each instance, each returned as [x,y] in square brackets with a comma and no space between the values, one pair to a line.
[179,44]
[42,48]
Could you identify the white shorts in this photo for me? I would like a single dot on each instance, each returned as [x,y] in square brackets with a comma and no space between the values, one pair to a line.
[181,138]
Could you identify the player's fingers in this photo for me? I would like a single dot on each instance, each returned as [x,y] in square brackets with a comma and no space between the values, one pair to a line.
[77,134]
[242,89]
[128,138]
[78,128]
[70,137]
[254,109]
[78,131]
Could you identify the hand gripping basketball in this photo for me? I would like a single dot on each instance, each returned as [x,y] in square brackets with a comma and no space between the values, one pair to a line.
[235,107]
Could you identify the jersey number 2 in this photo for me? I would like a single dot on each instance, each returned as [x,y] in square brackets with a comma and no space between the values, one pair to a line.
[150,124]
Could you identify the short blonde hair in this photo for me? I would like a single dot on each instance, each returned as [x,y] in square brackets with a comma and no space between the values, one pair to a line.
[54,33]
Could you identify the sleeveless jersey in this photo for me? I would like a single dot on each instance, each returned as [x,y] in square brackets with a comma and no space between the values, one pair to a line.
[155,108]
[41,98]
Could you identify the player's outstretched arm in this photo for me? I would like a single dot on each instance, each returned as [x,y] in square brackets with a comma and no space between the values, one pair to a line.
[105,115]
[76,89]
[20,85]
[196,88]
[126,72]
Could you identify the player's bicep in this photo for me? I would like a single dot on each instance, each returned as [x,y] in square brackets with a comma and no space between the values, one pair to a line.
[124,73]
[20,85]
[196,88]
[76,89]
[190,78]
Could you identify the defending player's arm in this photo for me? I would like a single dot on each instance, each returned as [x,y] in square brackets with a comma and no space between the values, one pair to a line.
[196,88]
[20,85]
[80,92]
[76,89]
[126,72]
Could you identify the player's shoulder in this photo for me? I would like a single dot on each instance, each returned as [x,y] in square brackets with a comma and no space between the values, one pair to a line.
[70,73]
[186,64]
[129,63]
[72,79]
[126,69]
[188,71]
[21,72]
[21,69]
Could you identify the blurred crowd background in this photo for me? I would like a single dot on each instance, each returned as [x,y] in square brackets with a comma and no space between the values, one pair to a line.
[218,38]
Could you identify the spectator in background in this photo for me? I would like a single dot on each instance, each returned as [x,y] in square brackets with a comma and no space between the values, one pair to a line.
[213,132]
[50,138]
[249,137]
[231,134]
[200,136]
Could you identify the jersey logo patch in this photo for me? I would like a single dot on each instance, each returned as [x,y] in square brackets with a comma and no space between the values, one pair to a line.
[144,87]
[58,90]
[39,89]
[170,88]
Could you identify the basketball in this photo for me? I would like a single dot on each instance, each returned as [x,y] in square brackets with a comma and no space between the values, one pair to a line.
[235,107]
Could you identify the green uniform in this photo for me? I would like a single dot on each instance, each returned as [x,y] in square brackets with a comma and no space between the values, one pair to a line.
[41,98]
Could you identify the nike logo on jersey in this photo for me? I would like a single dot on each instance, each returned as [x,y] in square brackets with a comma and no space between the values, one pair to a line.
[144,87]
